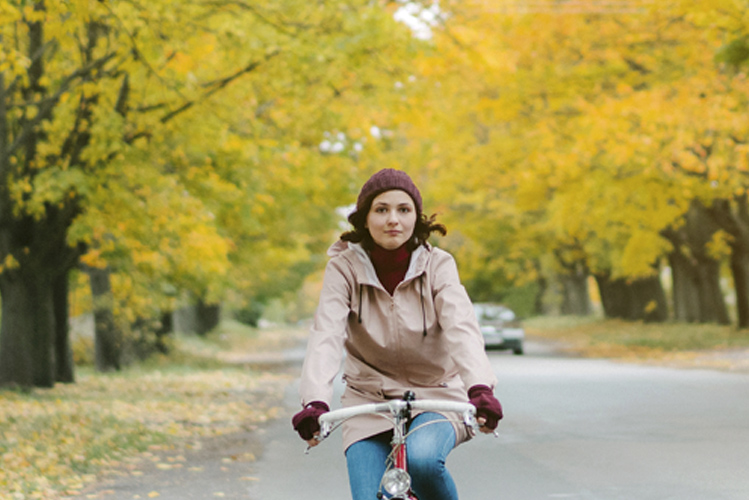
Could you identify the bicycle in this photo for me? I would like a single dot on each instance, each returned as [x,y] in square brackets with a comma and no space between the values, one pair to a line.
[396,481]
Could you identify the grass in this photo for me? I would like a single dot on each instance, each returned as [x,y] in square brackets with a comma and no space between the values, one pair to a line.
[596,337]
[53,442]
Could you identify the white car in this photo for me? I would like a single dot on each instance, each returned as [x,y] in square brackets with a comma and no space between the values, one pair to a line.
[500,327]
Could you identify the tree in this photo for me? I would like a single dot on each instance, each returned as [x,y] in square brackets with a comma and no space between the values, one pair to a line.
[115,147]
[584,125]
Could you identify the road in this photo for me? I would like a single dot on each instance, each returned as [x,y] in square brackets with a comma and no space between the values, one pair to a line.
[574,429]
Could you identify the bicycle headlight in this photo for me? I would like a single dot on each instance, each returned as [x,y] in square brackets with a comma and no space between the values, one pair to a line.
[396,482]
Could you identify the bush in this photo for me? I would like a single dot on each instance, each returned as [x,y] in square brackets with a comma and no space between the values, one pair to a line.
[249,315]
[83,350]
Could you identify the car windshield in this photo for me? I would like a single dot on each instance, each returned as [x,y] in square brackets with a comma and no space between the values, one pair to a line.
[489,312]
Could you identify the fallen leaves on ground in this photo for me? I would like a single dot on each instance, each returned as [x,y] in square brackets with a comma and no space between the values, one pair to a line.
[673,344]
[53,442]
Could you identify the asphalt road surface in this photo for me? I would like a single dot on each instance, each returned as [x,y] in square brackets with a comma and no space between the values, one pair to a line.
[573,429]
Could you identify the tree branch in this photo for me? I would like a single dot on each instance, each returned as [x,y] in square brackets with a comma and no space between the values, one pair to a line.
[122,97]
[216,86]
[46,106]
[635,66]
[253,10]
[734,224]
[678,166]
[137,52]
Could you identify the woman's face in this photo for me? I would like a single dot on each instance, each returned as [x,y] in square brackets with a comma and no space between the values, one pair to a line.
[391,219]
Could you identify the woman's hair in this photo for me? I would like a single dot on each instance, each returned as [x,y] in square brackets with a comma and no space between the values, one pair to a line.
[360,234]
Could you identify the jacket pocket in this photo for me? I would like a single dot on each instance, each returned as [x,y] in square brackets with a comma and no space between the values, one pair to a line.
[365,387]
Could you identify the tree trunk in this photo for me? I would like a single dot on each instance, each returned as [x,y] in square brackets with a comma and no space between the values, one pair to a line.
[650,299]
[736,223]
[740,272]
[574,280]
[697,293]
[713,307]
[36,244]
[207,316]
[575,289]
[543,285]
[65,368]
[695,272]
[107,337]
[686,297]
[29,332]
[166,328]
[606,292]
[616,298]
[635,300]
[700,229]
[26,330]
[538,301]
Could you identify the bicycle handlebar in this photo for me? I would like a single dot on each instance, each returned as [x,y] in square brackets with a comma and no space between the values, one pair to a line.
[393,407]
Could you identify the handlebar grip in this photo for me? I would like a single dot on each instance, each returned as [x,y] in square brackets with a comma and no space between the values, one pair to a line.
[440,405]
[344,413]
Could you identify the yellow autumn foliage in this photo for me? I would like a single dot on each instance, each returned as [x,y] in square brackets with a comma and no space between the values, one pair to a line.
[596,128]
[182,146]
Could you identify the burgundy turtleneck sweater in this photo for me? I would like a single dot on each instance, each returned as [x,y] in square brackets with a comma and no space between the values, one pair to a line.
[390,265]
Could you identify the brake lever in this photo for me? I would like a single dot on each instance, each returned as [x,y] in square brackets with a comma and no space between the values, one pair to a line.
[320,436]
[470,421]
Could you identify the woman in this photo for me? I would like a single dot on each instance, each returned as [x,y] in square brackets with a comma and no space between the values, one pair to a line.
[395,305]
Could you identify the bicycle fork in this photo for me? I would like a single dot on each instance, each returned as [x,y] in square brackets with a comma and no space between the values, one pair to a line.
[397,481]
[400,463]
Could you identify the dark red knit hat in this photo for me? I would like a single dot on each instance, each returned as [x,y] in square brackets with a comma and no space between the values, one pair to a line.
[385,180]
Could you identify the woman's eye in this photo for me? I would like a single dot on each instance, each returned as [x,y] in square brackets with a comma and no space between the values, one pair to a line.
[405,210]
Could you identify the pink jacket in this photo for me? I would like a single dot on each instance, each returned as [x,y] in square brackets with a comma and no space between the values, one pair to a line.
[424,338]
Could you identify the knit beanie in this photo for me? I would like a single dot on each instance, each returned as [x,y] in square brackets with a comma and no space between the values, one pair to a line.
[385,180]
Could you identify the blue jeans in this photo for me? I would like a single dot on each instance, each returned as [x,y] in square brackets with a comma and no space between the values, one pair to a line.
[427,450]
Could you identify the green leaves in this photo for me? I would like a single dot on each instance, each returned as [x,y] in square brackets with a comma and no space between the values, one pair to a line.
[735,53]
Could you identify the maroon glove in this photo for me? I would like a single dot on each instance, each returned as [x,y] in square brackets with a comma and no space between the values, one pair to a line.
[305,422]
[486,404]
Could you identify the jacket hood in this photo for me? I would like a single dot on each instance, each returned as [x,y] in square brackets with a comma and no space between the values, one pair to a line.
[359,258]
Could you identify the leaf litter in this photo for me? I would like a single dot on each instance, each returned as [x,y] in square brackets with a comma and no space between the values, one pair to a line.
[55,442]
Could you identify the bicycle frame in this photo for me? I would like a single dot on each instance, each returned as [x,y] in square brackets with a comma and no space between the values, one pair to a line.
[396,481]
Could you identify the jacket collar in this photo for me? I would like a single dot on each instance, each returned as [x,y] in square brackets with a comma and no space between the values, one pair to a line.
[354,253]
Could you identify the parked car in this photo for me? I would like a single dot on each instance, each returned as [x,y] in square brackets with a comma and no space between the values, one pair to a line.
[500,326]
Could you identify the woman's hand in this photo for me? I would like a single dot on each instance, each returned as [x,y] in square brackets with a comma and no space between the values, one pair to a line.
[483,427]
[314,441]
[488,409]
[306,424]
